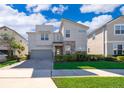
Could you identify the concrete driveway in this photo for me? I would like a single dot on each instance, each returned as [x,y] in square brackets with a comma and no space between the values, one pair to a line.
[28,74]
[45,64]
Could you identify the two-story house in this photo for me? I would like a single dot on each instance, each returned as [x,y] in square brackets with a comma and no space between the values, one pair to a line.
[20,39]
[44,42]
[108,39]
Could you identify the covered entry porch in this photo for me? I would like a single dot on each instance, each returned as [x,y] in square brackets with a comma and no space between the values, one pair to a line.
[58,48]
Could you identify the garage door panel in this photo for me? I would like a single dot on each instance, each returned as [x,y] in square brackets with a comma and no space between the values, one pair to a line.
[41,54]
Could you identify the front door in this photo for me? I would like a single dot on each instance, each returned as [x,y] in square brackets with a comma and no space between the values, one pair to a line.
[58,50]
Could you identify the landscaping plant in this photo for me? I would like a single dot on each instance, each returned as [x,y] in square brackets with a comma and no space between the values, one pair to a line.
[120,58]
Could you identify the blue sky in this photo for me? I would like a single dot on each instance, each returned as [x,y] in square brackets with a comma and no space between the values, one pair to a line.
[23,18]
[72,13]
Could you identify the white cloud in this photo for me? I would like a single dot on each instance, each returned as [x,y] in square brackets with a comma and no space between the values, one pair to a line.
[19,21]
[55,23]
[122,10]
[97,22]
[29,7]
[38,8]
[42,7]
[103,8]
[60,9]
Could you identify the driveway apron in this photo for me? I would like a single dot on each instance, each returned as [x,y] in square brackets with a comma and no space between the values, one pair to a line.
[31,73]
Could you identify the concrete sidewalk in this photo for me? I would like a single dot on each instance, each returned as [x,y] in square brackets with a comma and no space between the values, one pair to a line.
[39,78]
[40,73]
[24,73]
[88,72]
[107,72]
[74,72]
[27,83]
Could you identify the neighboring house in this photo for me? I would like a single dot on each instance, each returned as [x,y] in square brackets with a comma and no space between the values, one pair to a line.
[44,42]
[108,39]
[20,39]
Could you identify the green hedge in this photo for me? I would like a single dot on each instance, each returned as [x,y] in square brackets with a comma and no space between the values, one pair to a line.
[78,57]
[84,57]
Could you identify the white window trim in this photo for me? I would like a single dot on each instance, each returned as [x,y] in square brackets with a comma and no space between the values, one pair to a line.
[114,29]
[67,33]
[115,47]
[44,36]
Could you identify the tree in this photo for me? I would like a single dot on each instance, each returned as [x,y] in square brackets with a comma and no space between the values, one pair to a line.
[11,43]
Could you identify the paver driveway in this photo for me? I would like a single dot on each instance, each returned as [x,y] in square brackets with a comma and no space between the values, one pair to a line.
[45,64]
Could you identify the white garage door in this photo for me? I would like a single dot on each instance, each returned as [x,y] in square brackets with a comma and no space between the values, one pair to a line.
[41,54]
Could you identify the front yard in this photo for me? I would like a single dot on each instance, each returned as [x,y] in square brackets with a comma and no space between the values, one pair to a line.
[7,63]
[89,65]
[90,82]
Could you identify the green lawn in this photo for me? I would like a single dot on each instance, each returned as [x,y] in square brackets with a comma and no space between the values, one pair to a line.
[89,65]
[90,82]
[7,63]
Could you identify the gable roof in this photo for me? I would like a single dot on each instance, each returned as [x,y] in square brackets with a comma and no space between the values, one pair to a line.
[13,31]
[105,24]
[68,20]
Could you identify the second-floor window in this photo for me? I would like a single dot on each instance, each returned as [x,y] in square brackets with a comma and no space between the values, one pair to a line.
[67,33]
[44,36]
[119,29]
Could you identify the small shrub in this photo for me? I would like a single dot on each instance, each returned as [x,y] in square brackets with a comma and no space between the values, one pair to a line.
[92,58]
[81,56]
[11,57]
[68,57]
[28,56]
[23,58]
[58,58]
[74,57]
[120,58]
[110,58]
[100,57]
[95,57]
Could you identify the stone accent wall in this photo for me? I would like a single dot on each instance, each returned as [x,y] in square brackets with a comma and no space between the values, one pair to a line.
[72,44]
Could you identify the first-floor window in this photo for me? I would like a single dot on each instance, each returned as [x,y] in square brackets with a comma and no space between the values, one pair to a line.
[118,49]
[68,49]
[115,52]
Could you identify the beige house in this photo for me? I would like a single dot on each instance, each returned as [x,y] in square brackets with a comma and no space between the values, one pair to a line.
[4,48]
[108,39]
[44,42]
